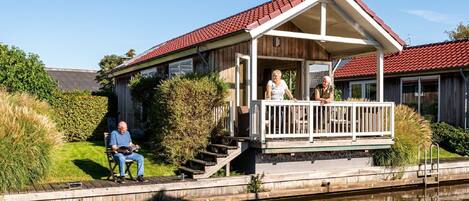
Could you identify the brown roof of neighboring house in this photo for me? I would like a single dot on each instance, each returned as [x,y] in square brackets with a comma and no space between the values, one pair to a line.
[421,58]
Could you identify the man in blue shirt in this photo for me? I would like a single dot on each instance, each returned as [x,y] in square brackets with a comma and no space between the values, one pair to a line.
[119,139]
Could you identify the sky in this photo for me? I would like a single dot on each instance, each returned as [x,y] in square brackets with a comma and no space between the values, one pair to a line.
[78,33]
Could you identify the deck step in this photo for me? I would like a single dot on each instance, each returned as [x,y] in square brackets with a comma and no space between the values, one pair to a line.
[214,154]
[190,170]
[239,139]
[223,146]
[202,162]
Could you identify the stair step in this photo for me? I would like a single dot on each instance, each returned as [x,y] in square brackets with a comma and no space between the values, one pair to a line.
[190,170]
[223,146]
[239,139]
[205,163]
[214,154]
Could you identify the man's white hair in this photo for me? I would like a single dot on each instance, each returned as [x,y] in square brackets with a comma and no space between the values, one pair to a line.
[327,78]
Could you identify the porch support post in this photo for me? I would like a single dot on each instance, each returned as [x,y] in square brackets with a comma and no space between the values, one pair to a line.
[380,75]
[237,80]
[323,17]
[253,70]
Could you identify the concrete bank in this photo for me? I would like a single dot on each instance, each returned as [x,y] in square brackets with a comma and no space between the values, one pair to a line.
[275,185]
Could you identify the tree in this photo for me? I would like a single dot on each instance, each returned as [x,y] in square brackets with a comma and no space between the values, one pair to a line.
[108,63]
[461,32]
[20,71]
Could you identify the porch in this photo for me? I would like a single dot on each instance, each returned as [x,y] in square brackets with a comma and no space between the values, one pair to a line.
[309,126]
[310,40]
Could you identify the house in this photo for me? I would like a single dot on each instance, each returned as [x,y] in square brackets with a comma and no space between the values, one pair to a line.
[74,79]
[431,78]
[300,36]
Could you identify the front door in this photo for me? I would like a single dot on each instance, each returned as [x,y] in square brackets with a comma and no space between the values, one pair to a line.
[421,93]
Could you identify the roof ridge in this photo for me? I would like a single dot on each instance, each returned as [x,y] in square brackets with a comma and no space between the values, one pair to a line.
[436,43]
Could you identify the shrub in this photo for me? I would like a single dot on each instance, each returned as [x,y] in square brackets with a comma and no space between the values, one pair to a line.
[21,72]
[411,130]
[80,115]
[183,114]
[27,137]
[143,89]
[451,138]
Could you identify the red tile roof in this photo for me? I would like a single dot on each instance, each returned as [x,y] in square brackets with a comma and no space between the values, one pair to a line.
[245,20]
[435,56]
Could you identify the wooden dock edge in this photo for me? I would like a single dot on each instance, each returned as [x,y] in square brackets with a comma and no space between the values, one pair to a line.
[276,185]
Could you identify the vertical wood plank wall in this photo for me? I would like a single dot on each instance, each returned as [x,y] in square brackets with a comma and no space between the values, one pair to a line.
[124,101]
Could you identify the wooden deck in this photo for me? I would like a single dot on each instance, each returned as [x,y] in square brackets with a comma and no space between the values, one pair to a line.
[322,144]
[94,184]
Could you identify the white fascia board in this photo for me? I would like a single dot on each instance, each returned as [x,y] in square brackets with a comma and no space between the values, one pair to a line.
[282,18]
[317,37]
[375,24]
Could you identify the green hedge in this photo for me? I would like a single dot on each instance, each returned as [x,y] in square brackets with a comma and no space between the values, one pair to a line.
[80,115]
[182,115]
[27,137]
[451,138]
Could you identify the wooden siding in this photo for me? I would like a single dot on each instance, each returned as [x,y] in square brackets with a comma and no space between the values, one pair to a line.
[292,47]
[452,99]
[223,60]
[125,105]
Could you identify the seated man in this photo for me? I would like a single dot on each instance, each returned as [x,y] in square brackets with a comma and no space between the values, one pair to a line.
[324,92]
[122,146]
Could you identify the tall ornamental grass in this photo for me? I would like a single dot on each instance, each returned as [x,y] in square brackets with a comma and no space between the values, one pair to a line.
[27,137]
[411,131]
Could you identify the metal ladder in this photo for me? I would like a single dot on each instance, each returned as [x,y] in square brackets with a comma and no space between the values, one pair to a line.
[429,170]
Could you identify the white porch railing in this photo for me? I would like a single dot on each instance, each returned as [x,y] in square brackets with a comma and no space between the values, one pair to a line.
[309,119]
[224,115]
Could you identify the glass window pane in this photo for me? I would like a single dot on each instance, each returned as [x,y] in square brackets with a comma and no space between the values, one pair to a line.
[429,99]
[370,91]
[356,91]
[410,93]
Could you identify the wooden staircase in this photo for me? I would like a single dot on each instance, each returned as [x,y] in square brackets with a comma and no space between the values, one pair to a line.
[218,154]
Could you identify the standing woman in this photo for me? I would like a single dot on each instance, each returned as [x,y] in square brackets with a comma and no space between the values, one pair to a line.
[277,88]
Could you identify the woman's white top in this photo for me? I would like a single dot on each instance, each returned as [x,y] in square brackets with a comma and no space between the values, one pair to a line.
[278,91]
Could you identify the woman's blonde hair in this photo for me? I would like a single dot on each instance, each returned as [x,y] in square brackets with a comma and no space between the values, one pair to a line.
[278,72]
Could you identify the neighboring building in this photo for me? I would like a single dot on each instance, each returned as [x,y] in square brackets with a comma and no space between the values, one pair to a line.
[74,79]
[303,36]
[429,78]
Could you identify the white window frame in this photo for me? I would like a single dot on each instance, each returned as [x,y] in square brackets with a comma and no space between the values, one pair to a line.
[362,83]
[418,78]
[306,76]
[178,64]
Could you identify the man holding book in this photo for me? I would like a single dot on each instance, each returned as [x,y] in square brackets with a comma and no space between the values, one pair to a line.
[123,148]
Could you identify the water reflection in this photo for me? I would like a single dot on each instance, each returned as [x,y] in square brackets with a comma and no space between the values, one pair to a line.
[445,191]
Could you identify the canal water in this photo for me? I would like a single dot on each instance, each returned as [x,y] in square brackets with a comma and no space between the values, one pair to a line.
[444,191]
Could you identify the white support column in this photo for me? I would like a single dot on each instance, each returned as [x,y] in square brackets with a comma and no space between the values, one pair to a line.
[253,70]
[380,75]
[237,82]
[323,17]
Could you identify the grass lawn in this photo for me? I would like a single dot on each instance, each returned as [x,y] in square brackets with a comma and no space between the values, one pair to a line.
[443,153]
[81,161]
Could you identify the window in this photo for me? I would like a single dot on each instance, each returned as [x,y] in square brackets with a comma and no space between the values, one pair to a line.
[422,94]
[181,67]
[363,89]
[315,71]
[148,72]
